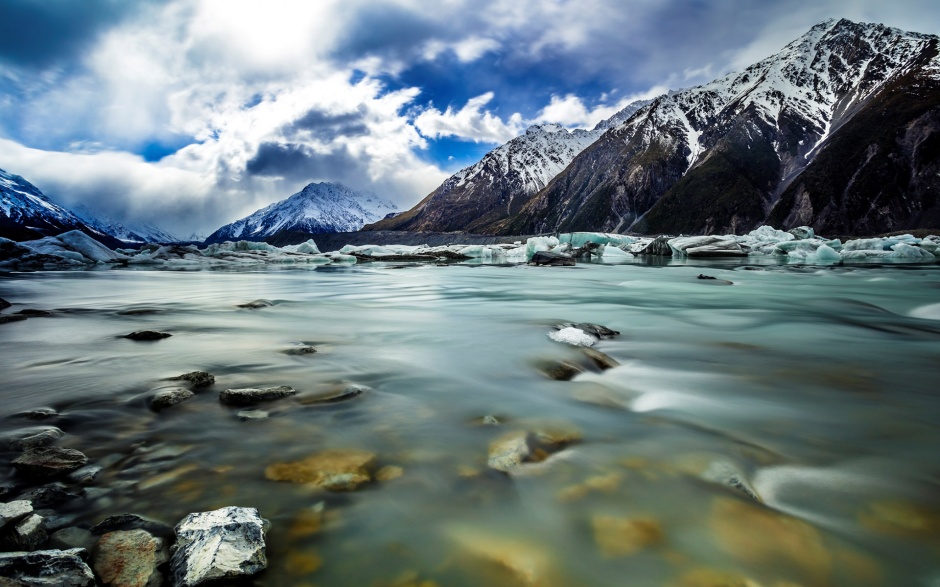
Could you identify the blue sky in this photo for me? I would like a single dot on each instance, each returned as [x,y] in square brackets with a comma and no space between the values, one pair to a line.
[191,113]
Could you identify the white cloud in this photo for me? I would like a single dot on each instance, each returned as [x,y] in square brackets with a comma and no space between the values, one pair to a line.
[469,123]
[572,112]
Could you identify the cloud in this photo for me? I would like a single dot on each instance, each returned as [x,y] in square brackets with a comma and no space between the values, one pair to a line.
[469,123]
[572,112]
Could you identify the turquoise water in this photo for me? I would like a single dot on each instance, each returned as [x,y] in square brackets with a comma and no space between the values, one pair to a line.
[783,430]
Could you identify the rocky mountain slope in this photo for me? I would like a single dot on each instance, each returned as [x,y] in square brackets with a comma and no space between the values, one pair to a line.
[26,213]
[839,131]
[132,233]
[480,198]
[318,208]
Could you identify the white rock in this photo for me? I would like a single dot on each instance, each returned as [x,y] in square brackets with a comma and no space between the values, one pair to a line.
[222,544]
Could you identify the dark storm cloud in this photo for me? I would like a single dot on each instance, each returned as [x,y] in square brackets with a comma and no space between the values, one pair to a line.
[36,33]
[388,31]
[327,127]
[299,163]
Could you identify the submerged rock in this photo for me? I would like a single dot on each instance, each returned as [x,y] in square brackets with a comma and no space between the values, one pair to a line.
[146,335]
[301,350]
[72,537]
[253,415]
[560,371]
[34,437]
[618,537]
[52,568]
[334,470]
[525,564]
[197,378]
[549,258]
[227,543]
[129,558]
[4,304]
[5,318]
[600,360]
[345,393]
[169,397]
[39,414]
[509,451]
[44,463]
[257,304]
[758,536]
[253,395]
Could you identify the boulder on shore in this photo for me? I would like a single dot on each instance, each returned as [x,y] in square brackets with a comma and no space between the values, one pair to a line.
[227,543]
[551,259]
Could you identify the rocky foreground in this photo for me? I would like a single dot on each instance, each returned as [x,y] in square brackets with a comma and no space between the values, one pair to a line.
[76,250]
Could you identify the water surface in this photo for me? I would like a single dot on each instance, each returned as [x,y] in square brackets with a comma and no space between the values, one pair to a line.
[813,390]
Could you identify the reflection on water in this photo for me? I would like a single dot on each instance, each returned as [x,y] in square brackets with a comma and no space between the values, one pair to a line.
[784,429]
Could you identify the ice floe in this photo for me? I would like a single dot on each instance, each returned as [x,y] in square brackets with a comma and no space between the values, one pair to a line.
[798,245]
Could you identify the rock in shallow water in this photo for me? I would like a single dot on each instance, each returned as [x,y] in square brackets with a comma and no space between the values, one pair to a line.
[147,335]
[551,259]
[27,535]
[254,395]
[44,463]
[335,470]
[129,558]
[4,304]
[5,318]
[169,397]
[34,437]
[197,378]
[257,304]
[618,537]
[59,568]
[227,543]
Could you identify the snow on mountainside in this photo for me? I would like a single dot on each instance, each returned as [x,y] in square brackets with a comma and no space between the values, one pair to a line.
[719,157]
[318,208]
[25,212]
[482,195]
[137,232]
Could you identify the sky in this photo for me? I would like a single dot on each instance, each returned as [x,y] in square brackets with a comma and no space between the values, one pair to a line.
[193,113]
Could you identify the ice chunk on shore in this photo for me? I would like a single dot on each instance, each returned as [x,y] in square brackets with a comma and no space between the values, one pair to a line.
[539,243]
[579,239]
[75,245]
[309,247]
[770,234]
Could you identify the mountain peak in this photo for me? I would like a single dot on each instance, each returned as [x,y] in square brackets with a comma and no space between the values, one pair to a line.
[320,207]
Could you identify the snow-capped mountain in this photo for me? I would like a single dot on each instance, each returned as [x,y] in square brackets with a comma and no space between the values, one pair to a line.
[318,208]
[481,197]
[26,213]
[839,131]
[131,232]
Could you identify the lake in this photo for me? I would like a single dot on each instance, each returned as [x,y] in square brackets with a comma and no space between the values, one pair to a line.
[782,429]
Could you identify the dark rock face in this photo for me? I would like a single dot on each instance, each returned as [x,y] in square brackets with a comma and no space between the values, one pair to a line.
[147,335]
[225,544]
[62,568]
[4,304]
[659,247]
[252,395]
[44,463]
[552,259]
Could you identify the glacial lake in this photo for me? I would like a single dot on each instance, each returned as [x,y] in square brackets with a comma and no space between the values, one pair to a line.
[784,429]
